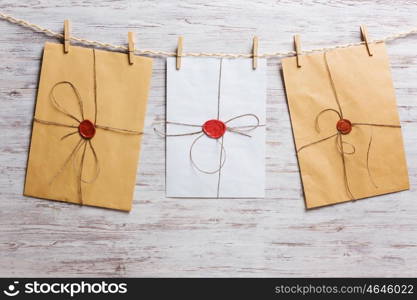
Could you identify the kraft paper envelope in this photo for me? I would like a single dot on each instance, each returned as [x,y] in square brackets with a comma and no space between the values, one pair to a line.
[90,162]
[345,124]
[226,90]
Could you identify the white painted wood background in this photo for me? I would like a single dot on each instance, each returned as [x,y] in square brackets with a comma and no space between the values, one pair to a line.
[275,236]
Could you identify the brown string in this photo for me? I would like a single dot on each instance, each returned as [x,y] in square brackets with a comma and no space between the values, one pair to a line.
[333,85]
[60,108]
[67,160]
[95,87]
[220,166]
[119,130]
[339,136]
[236,129]
[82,142]
[80,174]
[162,134]
[345,177]
[241,130]
[96,163]
[316,142]
[219,88]
[222,161]
[367,161]
[378,125]
[341,148]
[53,123]
[317,125]
[68,135]
[219,93]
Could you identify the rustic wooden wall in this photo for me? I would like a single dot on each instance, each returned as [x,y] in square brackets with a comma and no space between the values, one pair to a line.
[275,236]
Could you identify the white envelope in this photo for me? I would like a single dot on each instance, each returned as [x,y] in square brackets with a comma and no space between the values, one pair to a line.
[220,89]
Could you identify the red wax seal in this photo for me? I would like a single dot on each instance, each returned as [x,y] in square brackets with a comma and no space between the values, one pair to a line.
[86,129]
[214,128]
[344,126]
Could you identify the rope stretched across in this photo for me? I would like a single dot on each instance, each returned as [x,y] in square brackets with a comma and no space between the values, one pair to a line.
[49,32]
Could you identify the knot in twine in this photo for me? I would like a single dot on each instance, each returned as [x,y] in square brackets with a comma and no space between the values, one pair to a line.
[215,129]
[344,127]
[86,130]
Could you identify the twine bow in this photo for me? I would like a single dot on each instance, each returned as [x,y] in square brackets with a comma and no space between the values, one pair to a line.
[345,128]
[241,130]
[225,127]
[86,134]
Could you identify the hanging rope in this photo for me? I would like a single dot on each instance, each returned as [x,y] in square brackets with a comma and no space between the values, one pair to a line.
[49,32]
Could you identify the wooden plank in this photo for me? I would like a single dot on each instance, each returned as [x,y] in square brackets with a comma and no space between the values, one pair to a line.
[205,237]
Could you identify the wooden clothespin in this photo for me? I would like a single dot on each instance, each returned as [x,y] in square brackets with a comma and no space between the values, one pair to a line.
[131,46]
[364,34]
[255,53]
[179,52]
[297,46]
[66,36]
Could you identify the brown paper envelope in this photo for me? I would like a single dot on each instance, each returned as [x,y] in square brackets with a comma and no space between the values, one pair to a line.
[121,92]
[363,86]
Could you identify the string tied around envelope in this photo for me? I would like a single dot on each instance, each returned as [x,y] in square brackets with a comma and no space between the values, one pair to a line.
[343,127]
[215,129]
[83,41]
[84,127]
[221,129]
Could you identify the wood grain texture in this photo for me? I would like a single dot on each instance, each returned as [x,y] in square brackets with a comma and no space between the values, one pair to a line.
[275,236]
